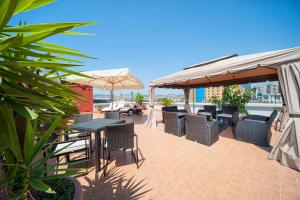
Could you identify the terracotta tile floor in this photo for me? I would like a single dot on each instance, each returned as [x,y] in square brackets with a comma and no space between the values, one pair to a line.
[172,167]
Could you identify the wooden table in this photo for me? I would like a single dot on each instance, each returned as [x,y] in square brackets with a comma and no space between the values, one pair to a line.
[96,126]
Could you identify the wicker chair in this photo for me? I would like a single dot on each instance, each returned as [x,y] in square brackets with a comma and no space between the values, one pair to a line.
[79,118]
[231,113]
[67,147]
[209,109]
[171,109]
[254,129]
[200,130]
[174,124]
[120,137]
[112,115]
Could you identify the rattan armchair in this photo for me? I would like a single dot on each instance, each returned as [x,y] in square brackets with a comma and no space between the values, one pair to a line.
[171,109]
[254,129]
[209,109]
[65,148]
[112,115]
[79,118]
[231,113]
[174,124]
[200,130]
[120,137]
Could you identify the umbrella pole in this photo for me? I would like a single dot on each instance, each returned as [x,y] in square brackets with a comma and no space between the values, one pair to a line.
[112,99]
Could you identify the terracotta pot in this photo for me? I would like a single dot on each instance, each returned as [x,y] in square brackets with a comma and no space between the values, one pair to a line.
[78,195]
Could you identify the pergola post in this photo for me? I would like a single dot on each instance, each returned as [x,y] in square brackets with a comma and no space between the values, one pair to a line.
[151,122]
[186,100]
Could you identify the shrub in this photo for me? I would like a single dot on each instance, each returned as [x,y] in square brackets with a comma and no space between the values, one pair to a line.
[30,95]
[166,101]
[233,95]
[139,98]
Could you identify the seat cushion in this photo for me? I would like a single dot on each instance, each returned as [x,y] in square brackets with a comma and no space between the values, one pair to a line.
[225,115]
[69,147]
[79,134]
[204,113]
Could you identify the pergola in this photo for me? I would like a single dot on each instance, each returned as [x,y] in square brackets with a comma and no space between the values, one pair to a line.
[282,65]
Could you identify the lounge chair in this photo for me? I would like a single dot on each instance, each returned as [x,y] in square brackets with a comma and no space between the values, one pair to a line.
[111,107]
[200,130]
[116,106]
[173,123]
[255,129]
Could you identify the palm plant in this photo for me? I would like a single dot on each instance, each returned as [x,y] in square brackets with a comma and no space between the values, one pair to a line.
[166,101]
[30,93]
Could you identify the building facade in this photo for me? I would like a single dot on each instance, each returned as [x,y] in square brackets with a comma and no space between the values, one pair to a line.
[209,92]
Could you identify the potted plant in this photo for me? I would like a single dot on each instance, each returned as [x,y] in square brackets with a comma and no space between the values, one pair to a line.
[139,98]
[166,102]
[216,100]
[25,103]
[233,95]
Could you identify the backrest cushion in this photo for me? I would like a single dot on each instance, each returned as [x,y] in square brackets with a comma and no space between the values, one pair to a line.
[78,118]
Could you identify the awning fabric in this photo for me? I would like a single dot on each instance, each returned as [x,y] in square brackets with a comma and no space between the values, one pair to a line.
[284,64]
[287,149]
[230,70]
[113,79]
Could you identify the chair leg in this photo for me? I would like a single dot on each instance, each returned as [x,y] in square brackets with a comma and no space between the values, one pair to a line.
[57,162]
[107,158]
[108,154]
[137,150]
[87,156]
[135,158]
[68,158]
[91,144]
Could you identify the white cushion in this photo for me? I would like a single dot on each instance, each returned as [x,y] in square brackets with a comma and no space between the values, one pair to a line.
[225,115]
[69,147]
[79,134]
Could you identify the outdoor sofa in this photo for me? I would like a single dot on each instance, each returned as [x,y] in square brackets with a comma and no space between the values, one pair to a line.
[255,129]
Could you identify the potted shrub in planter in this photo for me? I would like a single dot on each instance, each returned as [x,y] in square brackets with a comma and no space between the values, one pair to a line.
[67,188]
[166,102]
[139,98]
[167,106]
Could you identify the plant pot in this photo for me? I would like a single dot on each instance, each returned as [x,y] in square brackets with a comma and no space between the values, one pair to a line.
[78,195]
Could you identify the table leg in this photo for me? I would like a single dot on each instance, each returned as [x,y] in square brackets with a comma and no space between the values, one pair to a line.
[97,152]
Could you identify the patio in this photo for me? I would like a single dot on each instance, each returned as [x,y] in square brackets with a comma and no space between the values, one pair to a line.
[172,167]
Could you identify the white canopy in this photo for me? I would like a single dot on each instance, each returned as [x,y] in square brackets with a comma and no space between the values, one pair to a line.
[230,70]
[113,79]
[234,69]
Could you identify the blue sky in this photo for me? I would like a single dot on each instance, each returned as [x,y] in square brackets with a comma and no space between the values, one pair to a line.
[158,37]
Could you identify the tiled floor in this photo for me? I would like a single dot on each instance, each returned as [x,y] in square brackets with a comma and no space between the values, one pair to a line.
[172,167]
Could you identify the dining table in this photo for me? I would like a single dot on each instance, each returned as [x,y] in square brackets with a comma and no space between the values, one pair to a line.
[96,126]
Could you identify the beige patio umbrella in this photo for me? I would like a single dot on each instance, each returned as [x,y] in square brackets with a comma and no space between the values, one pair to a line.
[112,79]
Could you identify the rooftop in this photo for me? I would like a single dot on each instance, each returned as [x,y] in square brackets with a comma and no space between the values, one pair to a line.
[171,167]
